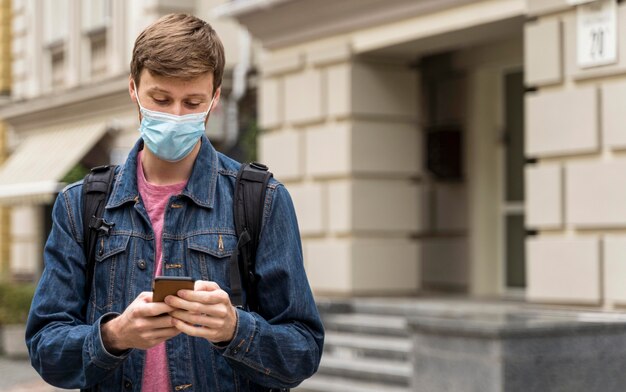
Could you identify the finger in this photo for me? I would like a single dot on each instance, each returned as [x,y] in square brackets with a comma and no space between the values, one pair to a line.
[206,297]
[199,319]
[152,309]
[205,285]
[218,310]
[190,318]
[179,303]
[144,296]
[162,333]
[159,322]
[192,330]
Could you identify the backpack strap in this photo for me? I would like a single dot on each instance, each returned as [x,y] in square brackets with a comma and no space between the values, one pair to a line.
[96,189]
[249,203]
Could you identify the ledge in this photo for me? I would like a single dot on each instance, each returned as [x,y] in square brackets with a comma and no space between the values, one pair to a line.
[282,23]
[508,323]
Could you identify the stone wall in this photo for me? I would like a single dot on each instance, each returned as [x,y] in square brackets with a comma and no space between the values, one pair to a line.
[575,189]
[341,133]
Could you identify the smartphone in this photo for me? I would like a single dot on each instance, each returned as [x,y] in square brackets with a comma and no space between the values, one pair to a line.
[162,286]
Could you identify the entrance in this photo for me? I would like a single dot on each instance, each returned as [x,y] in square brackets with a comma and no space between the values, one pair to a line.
[474,138]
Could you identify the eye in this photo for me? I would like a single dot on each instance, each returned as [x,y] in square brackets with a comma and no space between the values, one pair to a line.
[192,105]
[161,102]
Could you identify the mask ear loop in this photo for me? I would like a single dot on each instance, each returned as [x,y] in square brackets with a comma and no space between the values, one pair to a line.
[210,106]
[137,95]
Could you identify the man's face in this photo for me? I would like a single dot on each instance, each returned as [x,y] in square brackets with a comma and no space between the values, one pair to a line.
[173,95]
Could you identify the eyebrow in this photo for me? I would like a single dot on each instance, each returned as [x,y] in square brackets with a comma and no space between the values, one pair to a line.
[156,89]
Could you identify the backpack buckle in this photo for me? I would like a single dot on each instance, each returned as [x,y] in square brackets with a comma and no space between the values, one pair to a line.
[259,166]
[99,168]
[101,225]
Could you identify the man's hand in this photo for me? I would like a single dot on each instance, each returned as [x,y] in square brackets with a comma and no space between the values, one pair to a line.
[204,312]
[143,325]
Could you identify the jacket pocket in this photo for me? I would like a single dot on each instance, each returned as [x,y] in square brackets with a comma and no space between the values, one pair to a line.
[209,256]
[111,254]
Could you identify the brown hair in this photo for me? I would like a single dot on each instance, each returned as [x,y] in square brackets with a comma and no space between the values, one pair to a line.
[180,46]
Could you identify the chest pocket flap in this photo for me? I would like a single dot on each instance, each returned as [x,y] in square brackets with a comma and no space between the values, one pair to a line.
[110,245]
[216,245]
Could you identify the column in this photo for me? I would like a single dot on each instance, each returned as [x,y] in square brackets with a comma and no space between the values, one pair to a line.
[341,133]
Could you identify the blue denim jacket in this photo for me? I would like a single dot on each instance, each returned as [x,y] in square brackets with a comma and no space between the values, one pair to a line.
[277,349]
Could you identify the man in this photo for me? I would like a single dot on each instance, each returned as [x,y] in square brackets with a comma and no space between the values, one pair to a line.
[171,208]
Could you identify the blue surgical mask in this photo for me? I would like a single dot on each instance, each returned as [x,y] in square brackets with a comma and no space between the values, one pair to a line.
[168,136]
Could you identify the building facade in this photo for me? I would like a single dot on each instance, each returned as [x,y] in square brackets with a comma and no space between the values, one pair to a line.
[69,107]
[465,146]
[458,145]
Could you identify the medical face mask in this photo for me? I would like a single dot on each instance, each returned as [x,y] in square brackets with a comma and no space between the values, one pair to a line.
[168,136]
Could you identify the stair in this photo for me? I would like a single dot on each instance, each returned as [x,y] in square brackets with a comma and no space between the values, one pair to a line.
[368,369]
[367,323]
[325,383]
[370,346]
[367,350]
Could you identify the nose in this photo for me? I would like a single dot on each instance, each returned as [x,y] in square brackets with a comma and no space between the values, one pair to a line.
[177,109]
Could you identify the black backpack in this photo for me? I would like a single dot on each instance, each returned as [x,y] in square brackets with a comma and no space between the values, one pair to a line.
[249,201]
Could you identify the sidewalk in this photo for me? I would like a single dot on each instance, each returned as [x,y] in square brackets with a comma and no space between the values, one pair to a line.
[16,375]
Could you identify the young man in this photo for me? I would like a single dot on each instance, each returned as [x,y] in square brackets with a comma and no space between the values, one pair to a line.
[171,207]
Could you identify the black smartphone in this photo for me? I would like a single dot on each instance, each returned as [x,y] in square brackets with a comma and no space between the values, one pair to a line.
[162,286]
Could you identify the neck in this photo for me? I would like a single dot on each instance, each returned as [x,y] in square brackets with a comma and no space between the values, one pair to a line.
[160,172]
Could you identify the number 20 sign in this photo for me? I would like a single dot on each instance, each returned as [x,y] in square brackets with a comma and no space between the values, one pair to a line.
[597,33]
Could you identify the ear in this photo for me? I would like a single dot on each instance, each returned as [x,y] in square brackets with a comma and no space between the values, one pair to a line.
[216,100]
[131,89]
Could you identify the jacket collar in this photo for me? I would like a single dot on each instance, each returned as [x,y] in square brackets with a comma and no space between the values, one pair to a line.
[200,188]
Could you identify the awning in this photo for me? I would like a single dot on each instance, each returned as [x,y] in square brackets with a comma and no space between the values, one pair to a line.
[33,172]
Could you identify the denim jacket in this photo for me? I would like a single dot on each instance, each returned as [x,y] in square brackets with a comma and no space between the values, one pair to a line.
[275,349]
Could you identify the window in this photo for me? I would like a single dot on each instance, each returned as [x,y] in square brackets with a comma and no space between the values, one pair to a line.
[95,19]
[98,51]
[55,21]
[57,67]
[95,14]
[55,38]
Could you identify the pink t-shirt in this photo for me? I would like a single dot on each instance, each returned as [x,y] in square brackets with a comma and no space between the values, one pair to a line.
[156,377]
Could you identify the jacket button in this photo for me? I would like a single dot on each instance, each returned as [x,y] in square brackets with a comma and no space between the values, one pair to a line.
[128,384]
[141,264]
[101,251]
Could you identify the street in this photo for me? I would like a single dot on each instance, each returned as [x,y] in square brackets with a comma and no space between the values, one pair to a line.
[16,375]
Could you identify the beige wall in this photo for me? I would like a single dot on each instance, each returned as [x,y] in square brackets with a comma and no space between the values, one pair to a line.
[5,87]
[341,133]
[26,241]
[5,228]
[575,191]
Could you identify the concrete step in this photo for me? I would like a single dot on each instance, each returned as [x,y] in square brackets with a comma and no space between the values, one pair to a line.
[385,325]
[349,345]
[382,371]
[322,383]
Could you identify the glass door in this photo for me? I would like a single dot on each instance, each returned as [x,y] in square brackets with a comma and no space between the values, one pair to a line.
[512,206]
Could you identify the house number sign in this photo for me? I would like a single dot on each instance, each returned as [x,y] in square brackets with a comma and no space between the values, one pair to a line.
[596,38]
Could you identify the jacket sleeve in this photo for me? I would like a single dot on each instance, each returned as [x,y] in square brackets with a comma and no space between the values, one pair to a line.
[283,346]
[65,350]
